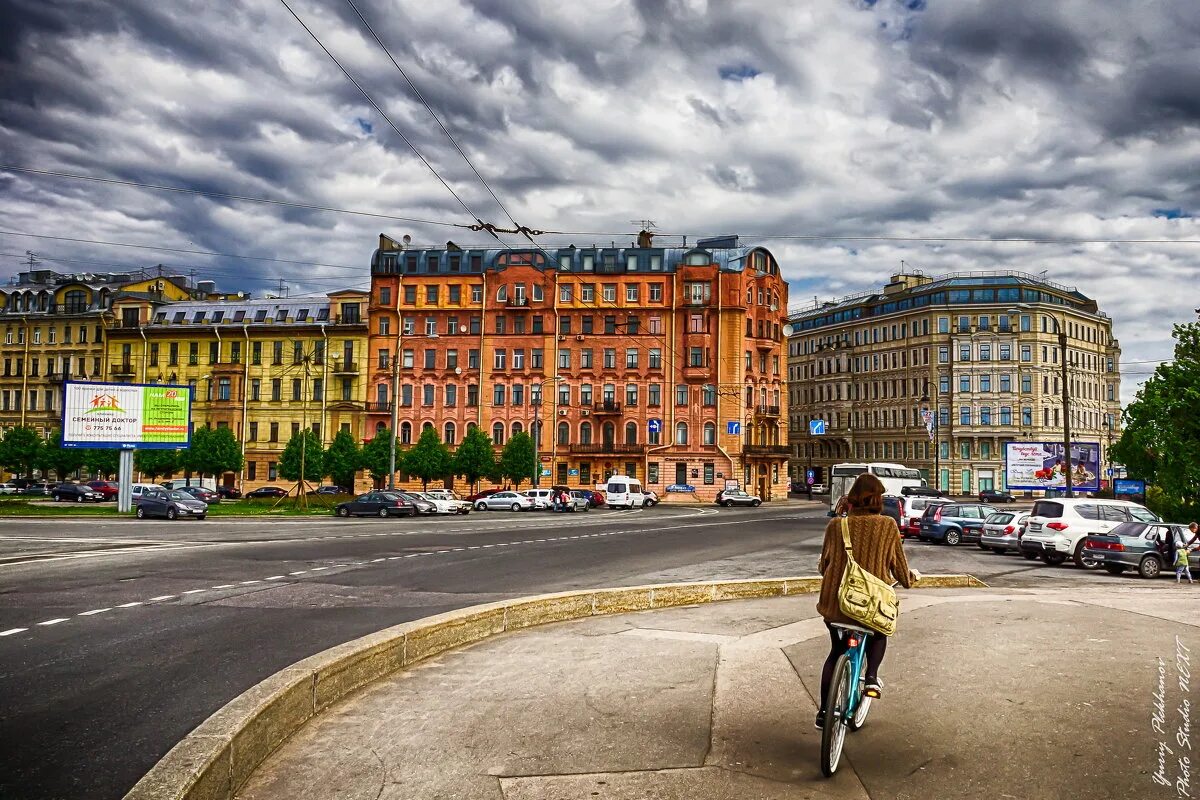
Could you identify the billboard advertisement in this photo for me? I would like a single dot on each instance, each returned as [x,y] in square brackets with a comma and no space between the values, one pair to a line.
[126,415]
[1129,486]
[1041,465]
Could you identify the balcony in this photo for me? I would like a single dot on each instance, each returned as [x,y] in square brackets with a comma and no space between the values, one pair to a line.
[376,407]
[339,367]
[606,407]
[517,302]
[767,450]
[766,411]
[56,377]
[607,449]
[123,369]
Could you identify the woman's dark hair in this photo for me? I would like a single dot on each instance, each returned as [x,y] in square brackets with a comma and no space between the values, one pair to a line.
[866,494]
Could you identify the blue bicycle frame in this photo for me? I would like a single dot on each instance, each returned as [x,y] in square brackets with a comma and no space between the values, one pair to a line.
[856,652]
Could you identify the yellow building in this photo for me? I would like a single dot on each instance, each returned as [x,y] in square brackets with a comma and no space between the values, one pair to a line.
[263,368]
[54,329]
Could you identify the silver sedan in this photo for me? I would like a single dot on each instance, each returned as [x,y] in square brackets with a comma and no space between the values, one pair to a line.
[1002,531]
[504,501]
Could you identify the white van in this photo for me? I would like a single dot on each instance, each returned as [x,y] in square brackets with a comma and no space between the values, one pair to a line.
[623,491]
[139,488]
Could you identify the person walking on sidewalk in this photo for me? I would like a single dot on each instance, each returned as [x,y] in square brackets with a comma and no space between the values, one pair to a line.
[877,547]
[1181,565]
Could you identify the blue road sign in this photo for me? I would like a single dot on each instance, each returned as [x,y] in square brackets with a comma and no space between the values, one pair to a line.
[816,427]
[654,425]
[810,476]
[733,428]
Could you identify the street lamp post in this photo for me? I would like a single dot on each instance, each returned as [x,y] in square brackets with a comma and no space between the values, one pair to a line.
[937,472]
[537,423]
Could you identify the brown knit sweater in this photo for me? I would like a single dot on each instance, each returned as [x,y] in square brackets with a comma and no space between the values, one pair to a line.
[877,549]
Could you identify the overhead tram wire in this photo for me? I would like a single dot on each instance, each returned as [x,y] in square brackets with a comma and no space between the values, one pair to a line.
[228,196]
[429,108]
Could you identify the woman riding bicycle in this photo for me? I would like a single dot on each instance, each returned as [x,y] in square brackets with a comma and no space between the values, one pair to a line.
[877,547]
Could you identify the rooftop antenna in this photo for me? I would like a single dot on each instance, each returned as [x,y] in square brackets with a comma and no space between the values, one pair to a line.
[283,288]
[645,237]
[31,259]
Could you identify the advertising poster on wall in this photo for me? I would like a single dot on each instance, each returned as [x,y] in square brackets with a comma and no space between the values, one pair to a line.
[1042,465]
[126,415]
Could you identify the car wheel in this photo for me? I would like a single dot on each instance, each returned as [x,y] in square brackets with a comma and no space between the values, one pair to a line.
[172,513]
[515,507]
[343,511]
[413,512]
[756,503]
[79,499]
[728,504]
[1114,569]
[1081,560]
[202,516]
[953,537]
[56,498]
[141,512]
[481,506]
[982,546]
[383,512]
[998,551]
[466,511]
[1150,567]
[1029,556]
[1054,559]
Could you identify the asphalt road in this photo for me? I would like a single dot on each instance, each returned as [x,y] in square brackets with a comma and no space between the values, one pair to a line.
[119,637]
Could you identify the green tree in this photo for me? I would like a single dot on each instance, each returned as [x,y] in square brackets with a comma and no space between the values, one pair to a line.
[518,460]
[429,459]
[343,459]
[314,457]
[62,461]
[156,463]
[21,450]
[475,457]
[1160,442]
[104,461]
[376,455]
[213,451]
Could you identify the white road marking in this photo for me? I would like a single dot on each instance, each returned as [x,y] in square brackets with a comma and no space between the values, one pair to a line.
[130,605]
[248,582]
[94,611]
[195,591]
[53,621]
[224,586]
[298,572]
[275,578]
[318,569]
[160,597]
[11,631]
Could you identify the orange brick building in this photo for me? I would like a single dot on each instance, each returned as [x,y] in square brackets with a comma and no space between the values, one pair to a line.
[666,364]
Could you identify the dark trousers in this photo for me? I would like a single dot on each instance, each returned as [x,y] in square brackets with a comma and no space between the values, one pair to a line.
[876,647]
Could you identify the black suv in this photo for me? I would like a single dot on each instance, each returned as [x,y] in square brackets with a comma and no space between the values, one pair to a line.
[995,496]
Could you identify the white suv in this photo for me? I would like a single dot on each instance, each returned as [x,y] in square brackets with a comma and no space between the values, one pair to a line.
[1056,529]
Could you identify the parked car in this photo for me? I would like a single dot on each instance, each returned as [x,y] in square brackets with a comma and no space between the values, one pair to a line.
[820,488]
[540,497]
[445,503]
[229,492]
[651,498]
[915,509]
[109,489]
[332,490]
[38,489]
[376,504]
[954,523]
[266,491]
[450,495]
[1057,529]
[737,497]
[995,496]
[622,491]
[895,507]
[422,505]
[1136,545]
[8,488]
[921,491]
[483,493]
[200,493]
[595,499]
[504,501]
[581,500]
[139,489]
[1002,531]
[76,492]
[170,504]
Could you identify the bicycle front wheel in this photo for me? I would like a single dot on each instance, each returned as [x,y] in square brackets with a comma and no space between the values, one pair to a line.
[833,735]
[860,712]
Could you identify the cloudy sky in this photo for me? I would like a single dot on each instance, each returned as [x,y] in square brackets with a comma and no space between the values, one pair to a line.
[834,118]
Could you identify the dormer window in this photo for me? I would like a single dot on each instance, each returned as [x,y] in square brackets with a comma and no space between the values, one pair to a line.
[218,316]
[178,319]
[260,315]
[281,315]
[302,315]
[198,317]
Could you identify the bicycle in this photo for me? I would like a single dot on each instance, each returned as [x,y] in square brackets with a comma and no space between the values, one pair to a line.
[847,705]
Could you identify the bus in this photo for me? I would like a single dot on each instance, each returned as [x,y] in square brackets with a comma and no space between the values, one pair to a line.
[893,476]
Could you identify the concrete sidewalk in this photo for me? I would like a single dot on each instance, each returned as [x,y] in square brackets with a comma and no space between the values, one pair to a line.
[1014,694]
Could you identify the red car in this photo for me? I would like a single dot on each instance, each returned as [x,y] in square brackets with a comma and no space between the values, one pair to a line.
[482,494]
[107,488]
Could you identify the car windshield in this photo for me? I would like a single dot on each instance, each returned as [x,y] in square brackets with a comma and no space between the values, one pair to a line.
[178,496]
[1131,529]
[999,519]
[1047,508]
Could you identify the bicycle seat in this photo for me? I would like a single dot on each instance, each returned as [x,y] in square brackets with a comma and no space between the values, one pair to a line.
[848,627]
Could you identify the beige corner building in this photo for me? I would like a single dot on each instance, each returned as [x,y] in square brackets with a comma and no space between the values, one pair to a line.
[982,352]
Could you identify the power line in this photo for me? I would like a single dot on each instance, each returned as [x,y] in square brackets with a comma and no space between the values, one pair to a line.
[428,108]
[382,114]
[228,196]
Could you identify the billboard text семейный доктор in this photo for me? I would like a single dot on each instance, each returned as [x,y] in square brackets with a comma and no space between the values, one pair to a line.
[126,415]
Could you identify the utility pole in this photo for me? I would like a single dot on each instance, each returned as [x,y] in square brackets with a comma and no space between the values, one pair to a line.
[31,259]
[395,417]
[1066,408]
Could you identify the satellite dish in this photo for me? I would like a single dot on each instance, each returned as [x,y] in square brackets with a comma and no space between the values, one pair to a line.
[462,328]
[458,370]
[788,330]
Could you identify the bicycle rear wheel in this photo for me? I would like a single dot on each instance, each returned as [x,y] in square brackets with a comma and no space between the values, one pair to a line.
[833,735]
[860,712]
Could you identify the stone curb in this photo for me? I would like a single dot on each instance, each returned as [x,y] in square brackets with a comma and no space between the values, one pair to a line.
[216,759]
